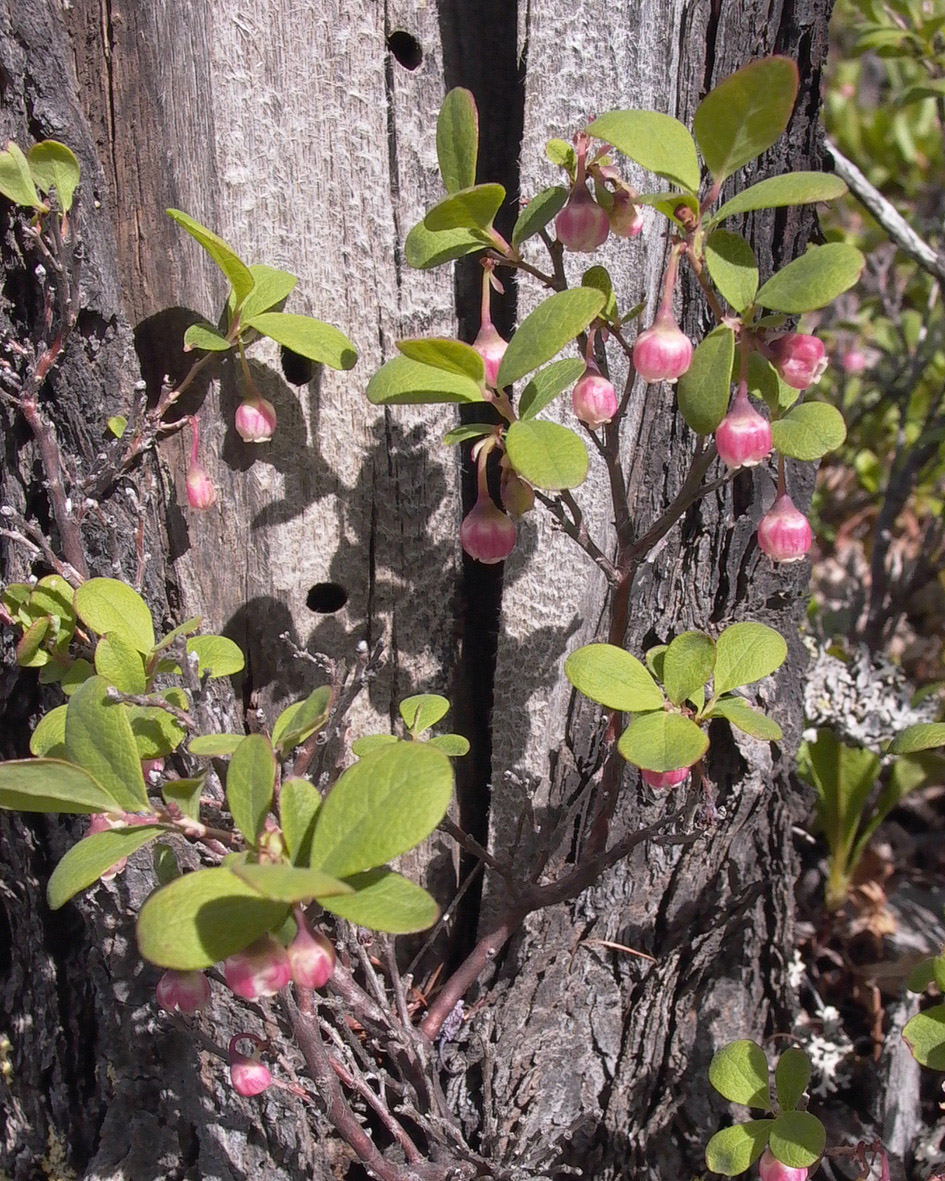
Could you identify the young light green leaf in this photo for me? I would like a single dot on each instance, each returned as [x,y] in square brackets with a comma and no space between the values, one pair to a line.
[299,801]
[746,652]
[738,712]
[457,140]
[187,628]
[77,674]
[213,746]
[117,425]
[385,804]
[443,353]
[731,263]
[423,711]
[922,736]
[797,1139]
[300,721]
[735,1149]
[216,655]
[403,381]
[662,741]
[547,384]
[94,855]
[545,331]
[739,1072]
[599,279]
[659,143]
[49,737]
[609,675]
[52,785]
[703,390]
[99,739]
[809,431]
[271,288]
[306,336]
[156,731]
[237,272]
[668,203]
[16,180]
[472,208]
[30,652]
[562,153]
[794,188]
[687,665]
[368,743]
[745,114]
[467,431]
[385,901]
[250,779]
[538,213]
[184,794]
[547,455]
[925,1037]
[454,745]
[813,280]
[791,1077]
[54,166]
[107,605]
[290,883]
[203,917]
[424,249]
[120,663]
[202,336]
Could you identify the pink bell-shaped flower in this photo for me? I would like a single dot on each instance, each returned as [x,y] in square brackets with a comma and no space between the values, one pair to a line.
[488,343]
[255,419]
[261,969]
[626,220]
[663,352]
[201,493]
[248,1075]
[771,1169]
[661,779]
[518,498]
[594,399]
[183,992]
[487,534]
[743,437]
[799,358]
[311,956]
[582,225]
[784,533]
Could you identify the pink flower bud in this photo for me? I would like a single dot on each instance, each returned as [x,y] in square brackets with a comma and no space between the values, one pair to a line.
[102,822]
[258,970]
[594,399]
[183,992]
[853,362]
[518,498]
[582,225]
[311,957]
[152,769]
[491,347]
[201,493]
[487,534]
[800,359]
[663,352]
[626,220]
[248,1075]
[784,533]
[743,437]
[255,420]
[771,1169]
[665,778]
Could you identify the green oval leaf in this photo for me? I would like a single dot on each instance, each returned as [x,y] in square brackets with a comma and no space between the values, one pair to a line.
[735,1149]
[306,336]
[687,665]
[51,785]
[425,249]
[922,975]
[16,180]
[216,655]
[107,605]
[385,901]
[385,804]
[467,431]
[299,801]
[54,166]
[797,1139]
[92,856]
[547,384]
[203,917]
[271,288]
[809,431]
[658,142]
[99,739]
[794,188]
[738,712]
[545,331]
[454,745]
[202,336]
[300,721]
[546,454]
[157,732]
[745,114]
[457,140]
[609,675]
[368,743]
[925,1036]
[423,711]
[739,1072]
[732,265]
[538,213]
[250,779]
[185,794]
[791,1077]
[703,390]
[29,651]
[746,652]
[442,353]
[404,381]
[49,737]
[662,741]
[237,272]
[471,208]
[813,280]
[214,746]
[120,663]
[290,883]
[922,736]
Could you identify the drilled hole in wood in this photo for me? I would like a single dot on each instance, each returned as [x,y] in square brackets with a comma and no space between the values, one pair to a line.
[406,48]
[324,598]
